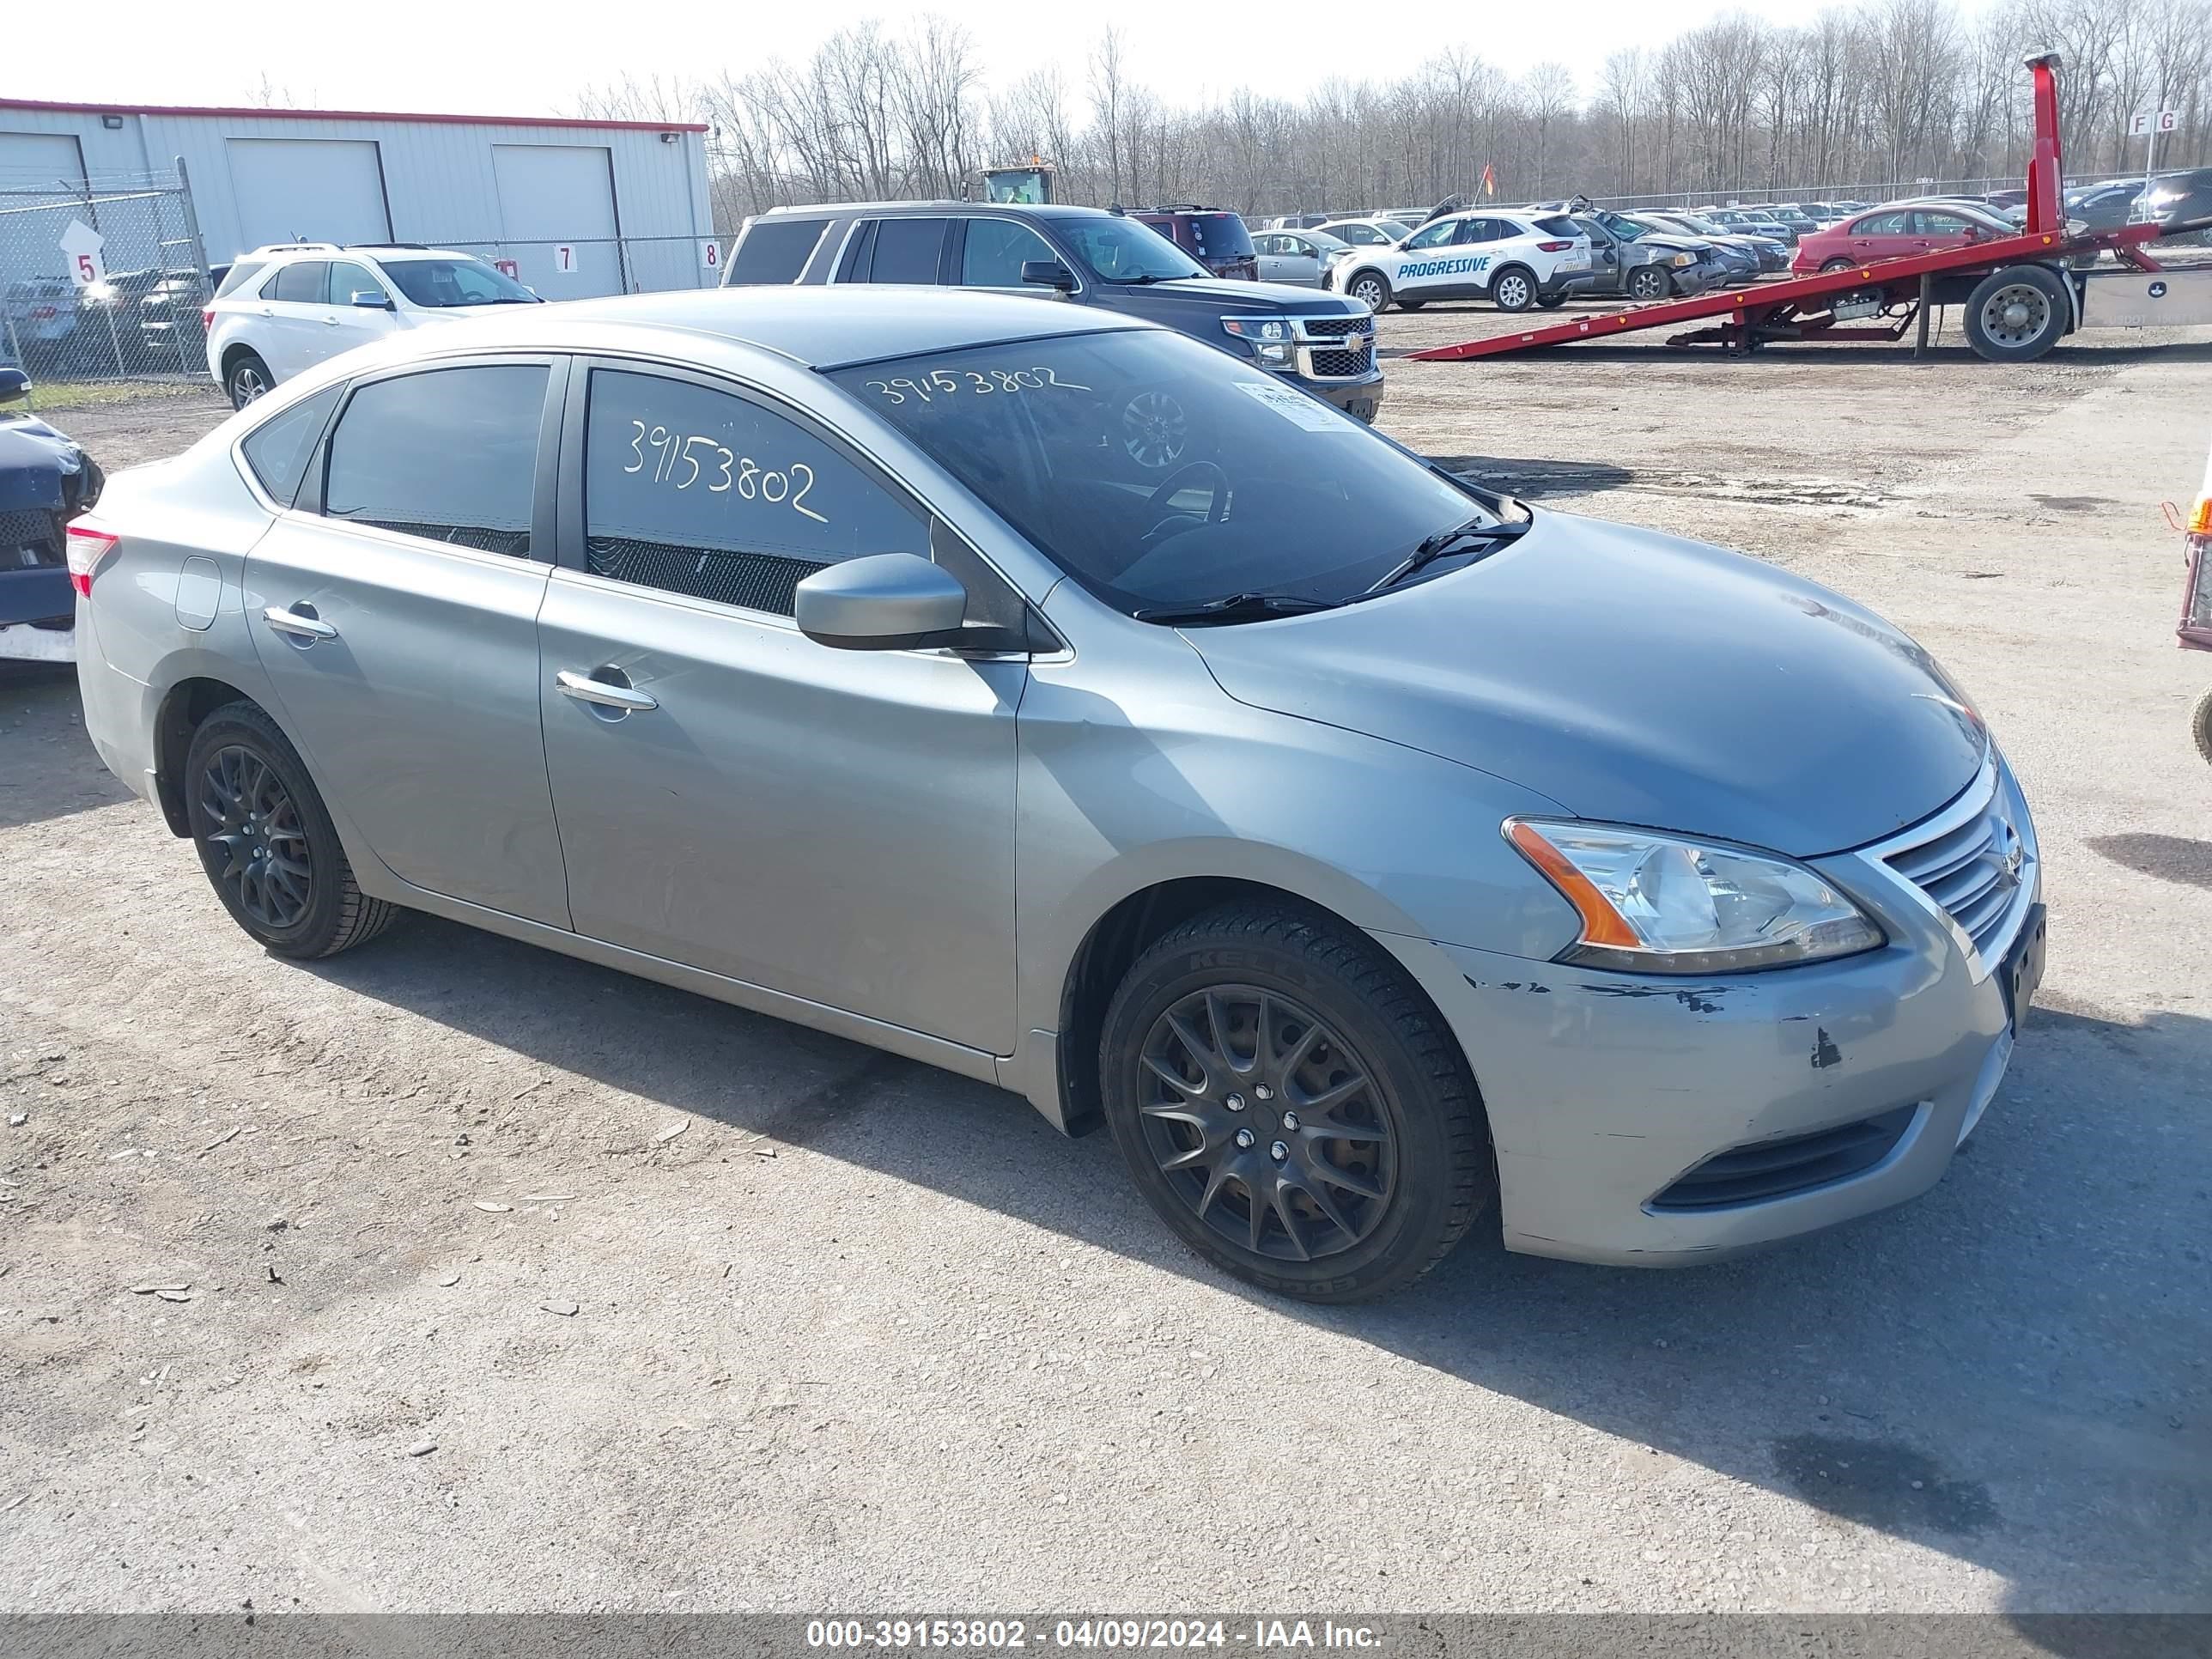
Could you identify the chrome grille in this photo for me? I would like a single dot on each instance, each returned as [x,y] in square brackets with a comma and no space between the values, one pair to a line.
[1331,328]
[1974,864]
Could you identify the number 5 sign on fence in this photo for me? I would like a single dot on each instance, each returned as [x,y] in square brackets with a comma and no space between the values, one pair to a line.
[83,244]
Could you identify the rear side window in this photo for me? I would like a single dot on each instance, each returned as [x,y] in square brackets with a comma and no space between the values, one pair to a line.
[775,250]
[908,250]
[450,455]
[305,283]
[278,449]
[691,490]
[240,274]
[1558,226]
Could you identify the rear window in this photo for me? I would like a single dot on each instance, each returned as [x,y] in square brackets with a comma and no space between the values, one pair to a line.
[1558,225]
[1217,236]
[775,250]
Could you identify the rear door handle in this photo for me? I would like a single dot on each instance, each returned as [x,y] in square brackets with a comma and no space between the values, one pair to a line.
[584,689]
[299,627]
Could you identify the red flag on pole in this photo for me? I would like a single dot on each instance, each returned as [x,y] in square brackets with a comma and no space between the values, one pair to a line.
[1489,181]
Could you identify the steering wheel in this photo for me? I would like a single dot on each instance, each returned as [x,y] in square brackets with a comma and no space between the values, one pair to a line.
[1217,509]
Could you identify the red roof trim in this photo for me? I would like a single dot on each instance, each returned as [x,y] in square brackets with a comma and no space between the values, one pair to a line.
[352,115]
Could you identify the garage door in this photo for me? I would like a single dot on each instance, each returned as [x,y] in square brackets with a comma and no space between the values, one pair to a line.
[32,161]
[308,190]
[553,196]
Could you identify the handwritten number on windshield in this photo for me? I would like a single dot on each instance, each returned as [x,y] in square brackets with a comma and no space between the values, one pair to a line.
[787,486]
[976,382]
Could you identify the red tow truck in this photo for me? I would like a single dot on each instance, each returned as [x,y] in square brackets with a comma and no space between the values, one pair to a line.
[2022,294]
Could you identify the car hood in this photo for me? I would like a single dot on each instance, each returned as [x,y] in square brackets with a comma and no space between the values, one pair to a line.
[1221,296]
[1676,244]
[1636,678]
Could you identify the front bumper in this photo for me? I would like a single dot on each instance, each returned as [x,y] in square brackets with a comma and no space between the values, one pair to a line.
[1361,399]
[1605,1090]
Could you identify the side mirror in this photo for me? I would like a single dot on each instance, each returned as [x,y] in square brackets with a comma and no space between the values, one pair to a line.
[886,602]
[1973,233]
[15,386]
[369,299]
[1048,273]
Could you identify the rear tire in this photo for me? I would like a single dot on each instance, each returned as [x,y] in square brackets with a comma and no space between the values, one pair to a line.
[2200,726]
[267,843]
[247,379]
[1835,266]
[1513,289]
[1235,1024]
[1371,288]
[2017,314]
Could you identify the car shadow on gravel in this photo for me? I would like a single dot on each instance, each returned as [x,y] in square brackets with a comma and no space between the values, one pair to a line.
[2010,1370]
[47,768]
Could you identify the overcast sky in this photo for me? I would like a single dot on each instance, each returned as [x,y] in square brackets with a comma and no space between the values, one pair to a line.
[501,57]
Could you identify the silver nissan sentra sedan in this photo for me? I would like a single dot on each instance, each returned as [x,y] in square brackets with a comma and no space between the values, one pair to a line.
[1063,703]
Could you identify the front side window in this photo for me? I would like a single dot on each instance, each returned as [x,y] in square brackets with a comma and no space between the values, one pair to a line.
[450,455]
[1161,473]
[304,282]
[1435,235]
[441,285]
[348,279]
[692,490]
[278,450]
[995,251]
[1123,250]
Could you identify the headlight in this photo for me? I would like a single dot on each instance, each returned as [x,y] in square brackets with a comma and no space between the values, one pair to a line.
[1683,260]
[1270,338]
[1666,904]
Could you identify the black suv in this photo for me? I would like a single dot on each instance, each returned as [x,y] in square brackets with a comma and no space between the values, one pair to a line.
[1322,341]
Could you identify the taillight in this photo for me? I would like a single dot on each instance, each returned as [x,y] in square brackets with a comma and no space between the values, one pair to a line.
[87,547]
[206,319]
[1555,247]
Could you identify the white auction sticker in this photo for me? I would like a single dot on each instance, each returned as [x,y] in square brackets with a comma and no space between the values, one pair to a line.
[1293,406]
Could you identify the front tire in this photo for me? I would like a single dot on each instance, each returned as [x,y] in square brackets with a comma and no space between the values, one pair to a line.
[1291,1106]
[2200,726]
[267,843]
[1372,289]
[248,380]
[1647,284]
[1513,289]
[2017,314]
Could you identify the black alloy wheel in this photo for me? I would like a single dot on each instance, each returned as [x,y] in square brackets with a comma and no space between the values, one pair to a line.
[1291,1105]
[244,810]
[267,843]
[1267,1123]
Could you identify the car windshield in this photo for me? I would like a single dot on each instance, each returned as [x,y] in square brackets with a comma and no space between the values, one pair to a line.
[1163,475]
[1123,250]
[438,284]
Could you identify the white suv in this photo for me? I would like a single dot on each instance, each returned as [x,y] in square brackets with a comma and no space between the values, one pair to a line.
[1515,260]
[284,308]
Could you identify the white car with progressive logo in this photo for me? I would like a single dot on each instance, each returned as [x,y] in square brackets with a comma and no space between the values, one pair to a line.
[1515,260]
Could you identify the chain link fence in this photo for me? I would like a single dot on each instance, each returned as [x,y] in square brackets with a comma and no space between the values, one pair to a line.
[101,282]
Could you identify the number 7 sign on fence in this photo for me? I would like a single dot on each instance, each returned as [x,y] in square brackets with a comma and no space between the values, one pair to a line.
[83,244]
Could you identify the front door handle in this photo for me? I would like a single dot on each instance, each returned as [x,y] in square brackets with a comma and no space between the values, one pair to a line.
[299,627]
[584,689]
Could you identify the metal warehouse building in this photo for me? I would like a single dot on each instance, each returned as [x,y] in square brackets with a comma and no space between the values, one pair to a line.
[579,207]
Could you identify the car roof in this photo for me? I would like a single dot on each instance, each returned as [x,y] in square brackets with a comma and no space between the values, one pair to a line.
[816,327]
[881,210]
[384,253]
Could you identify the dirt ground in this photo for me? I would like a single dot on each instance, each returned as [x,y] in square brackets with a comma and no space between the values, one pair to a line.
[511,1283]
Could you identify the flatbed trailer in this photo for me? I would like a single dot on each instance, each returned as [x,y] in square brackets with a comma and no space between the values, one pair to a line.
[2023,293]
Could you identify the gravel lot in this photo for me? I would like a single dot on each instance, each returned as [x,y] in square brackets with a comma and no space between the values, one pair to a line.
[701,1310]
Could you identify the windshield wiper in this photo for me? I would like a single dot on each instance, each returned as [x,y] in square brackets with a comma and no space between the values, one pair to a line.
[1457,539]
[1235,607]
